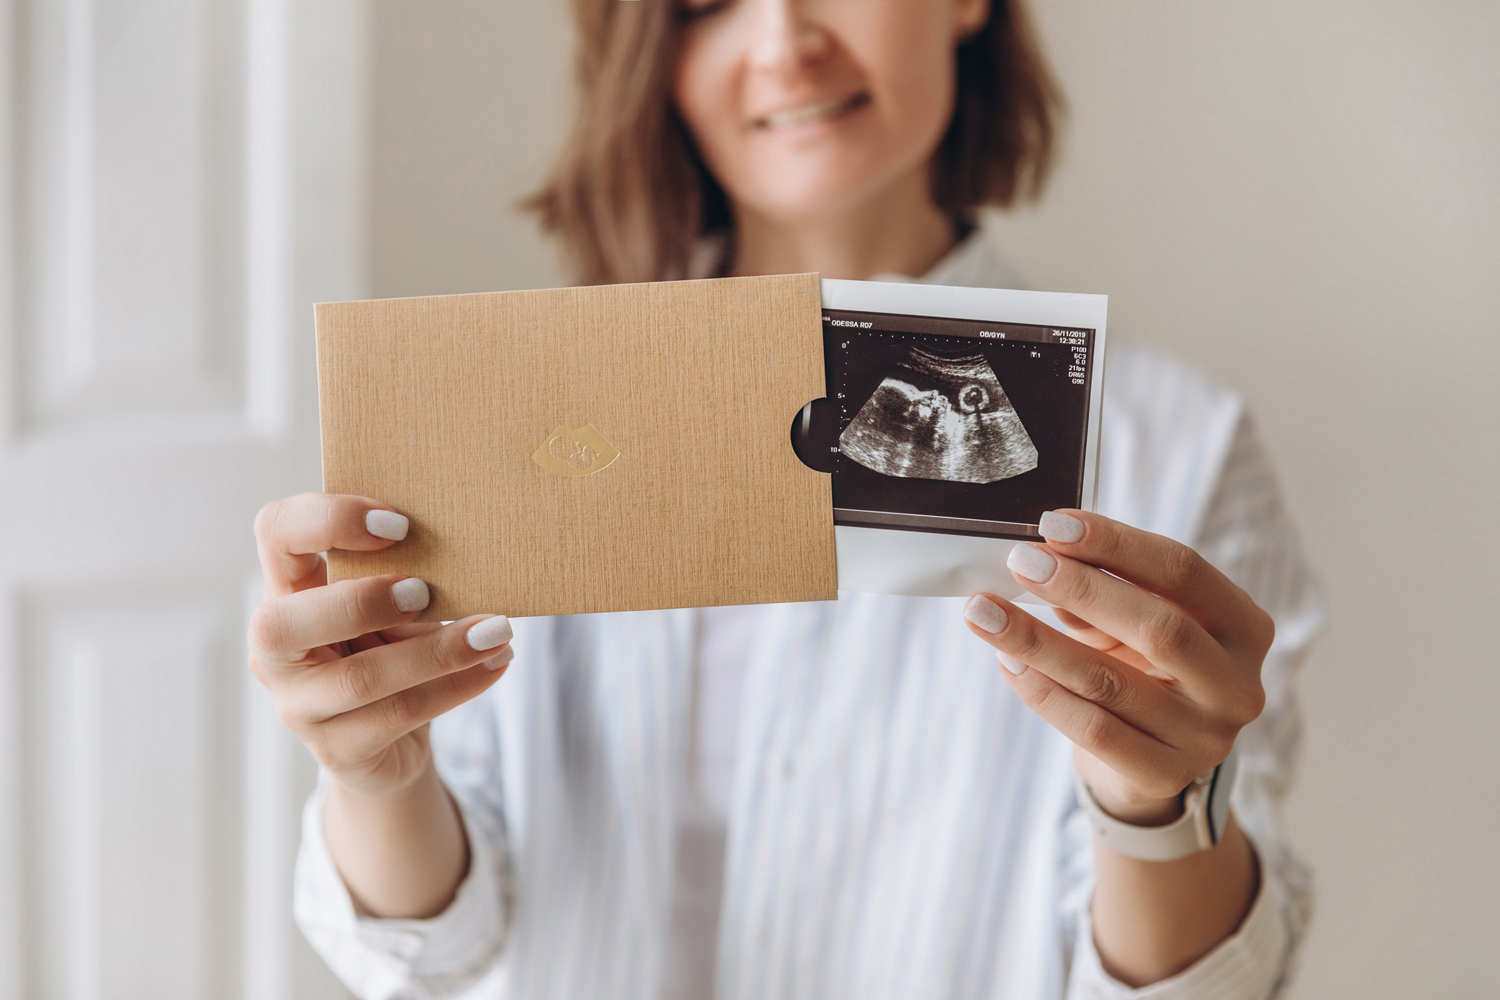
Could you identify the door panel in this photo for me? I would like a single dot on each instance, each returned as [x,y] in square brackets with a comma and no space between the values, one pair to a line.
[181,180]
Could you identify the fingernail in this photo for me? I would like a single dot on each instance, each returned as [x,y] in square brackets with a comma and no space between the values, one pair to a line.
[1010,663]
[500,661]
[410,595]
[386,524]
[490,633]
[986,614]
[1032,563]
[1057,527]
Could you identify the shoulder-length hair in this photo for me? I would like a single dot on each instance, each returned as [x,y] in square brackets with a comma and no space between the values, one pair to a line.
[630,198]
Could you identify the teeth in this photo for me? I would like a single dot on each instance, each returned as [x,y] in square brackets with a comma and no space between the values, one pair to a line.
[809,113]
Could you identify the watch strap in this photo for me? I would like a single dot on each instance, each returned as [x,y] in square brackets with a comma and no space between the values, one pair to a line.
[1205,810]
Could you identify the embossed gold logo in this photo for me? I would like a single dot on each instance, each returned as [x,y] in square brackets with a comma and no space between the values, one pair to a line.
[570,451]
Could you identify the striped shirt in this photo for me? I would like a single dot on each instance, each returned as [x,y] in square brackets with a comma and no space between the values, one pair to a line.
[899,824]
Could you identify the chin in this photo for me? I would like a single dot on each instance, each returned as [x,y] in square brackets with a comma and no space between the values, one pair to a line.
[806,190]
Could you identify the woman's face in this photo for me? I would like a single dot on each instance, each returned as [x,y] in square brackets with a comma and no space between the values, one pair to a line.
[804,108]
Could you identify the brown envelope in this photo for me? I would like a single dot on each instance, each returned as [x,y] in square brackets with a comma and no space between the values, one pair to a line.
[611,448]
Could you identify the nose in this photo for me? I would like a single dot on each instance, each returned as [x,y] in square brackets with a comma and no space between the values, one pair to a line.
[788,38]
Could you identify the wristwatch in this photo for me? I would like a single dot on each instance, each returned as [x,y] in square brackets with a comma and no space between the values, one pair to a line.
[1205,808]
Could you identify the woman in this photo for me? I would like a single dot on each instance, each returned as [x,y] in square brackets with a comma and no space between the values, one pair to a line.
[840,800]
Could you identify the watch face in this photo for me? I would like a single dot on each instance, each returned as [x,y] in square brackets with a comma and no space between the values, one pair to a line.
[1218,795]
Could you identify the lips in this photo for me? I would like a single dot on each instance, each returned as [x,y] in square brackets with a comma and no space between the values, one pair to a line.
[807,114]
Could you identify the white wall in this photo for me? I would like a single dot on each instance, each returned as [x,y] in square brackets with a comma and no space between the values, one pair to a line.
[468,99]
[1302,197]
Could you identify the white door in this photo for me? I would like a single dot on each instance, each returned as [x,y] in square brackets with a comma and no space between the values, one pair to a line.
[181,180]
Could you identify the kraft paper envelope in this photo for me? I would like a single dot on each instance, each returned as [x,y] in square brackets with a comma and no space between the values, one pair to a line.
[612,448]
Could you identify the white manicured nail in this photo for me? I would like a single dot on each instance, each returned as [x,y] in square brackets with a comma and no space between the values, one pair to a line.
[410,595]
[1057,527]
[1010,663]
[490,633]
[386,524]
[499,661]
[1032,563]
[986,614]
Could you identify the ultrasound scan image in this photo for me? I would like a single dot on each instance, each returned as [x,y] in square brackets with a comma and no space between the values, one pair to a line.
[940,418]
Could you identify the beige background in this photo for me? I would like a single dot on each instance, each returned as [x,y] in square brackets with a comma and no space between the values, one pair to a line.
[1300,196]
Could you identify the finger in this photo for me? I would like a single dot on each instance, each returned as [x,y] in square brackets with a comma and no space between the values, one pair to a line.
[291,533]
[1023,643]
[1087,633]
[359,735]
[1159,630]
[1164,567]
[1114,741]
[375,674]
[1097,638]
[388,635]
[284,629]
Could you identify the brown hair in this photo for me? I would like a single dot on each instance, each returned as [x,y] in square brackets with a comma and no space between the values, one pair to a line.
[630,197]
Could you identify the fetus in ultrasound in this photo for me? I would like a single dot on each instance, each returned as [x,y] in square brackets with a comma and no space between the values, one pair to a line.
[940,418]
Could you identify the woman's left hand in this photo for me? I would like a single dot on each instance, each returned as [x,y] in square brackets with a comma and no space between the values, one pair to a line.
[1162,667]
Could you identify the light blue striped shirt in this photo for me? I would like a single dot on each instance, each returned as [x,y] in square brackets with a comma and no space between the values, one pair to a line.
[900,825]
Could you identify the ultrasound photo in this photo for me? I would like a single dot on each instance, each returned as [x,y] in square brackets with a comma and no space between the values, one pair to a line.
[953,426]
[940,418]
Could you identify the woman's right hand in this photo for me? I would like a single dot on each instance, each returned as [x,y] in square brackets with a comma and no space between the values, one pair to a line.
[351,672]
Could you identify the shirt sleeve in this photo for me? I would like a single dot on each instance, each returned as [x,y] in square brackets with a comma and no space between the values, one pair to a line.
[418,959]
[1246,533]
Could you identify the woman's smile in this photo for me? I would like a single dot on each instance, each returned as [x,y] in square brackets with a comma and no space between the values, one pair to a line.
[799,117]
